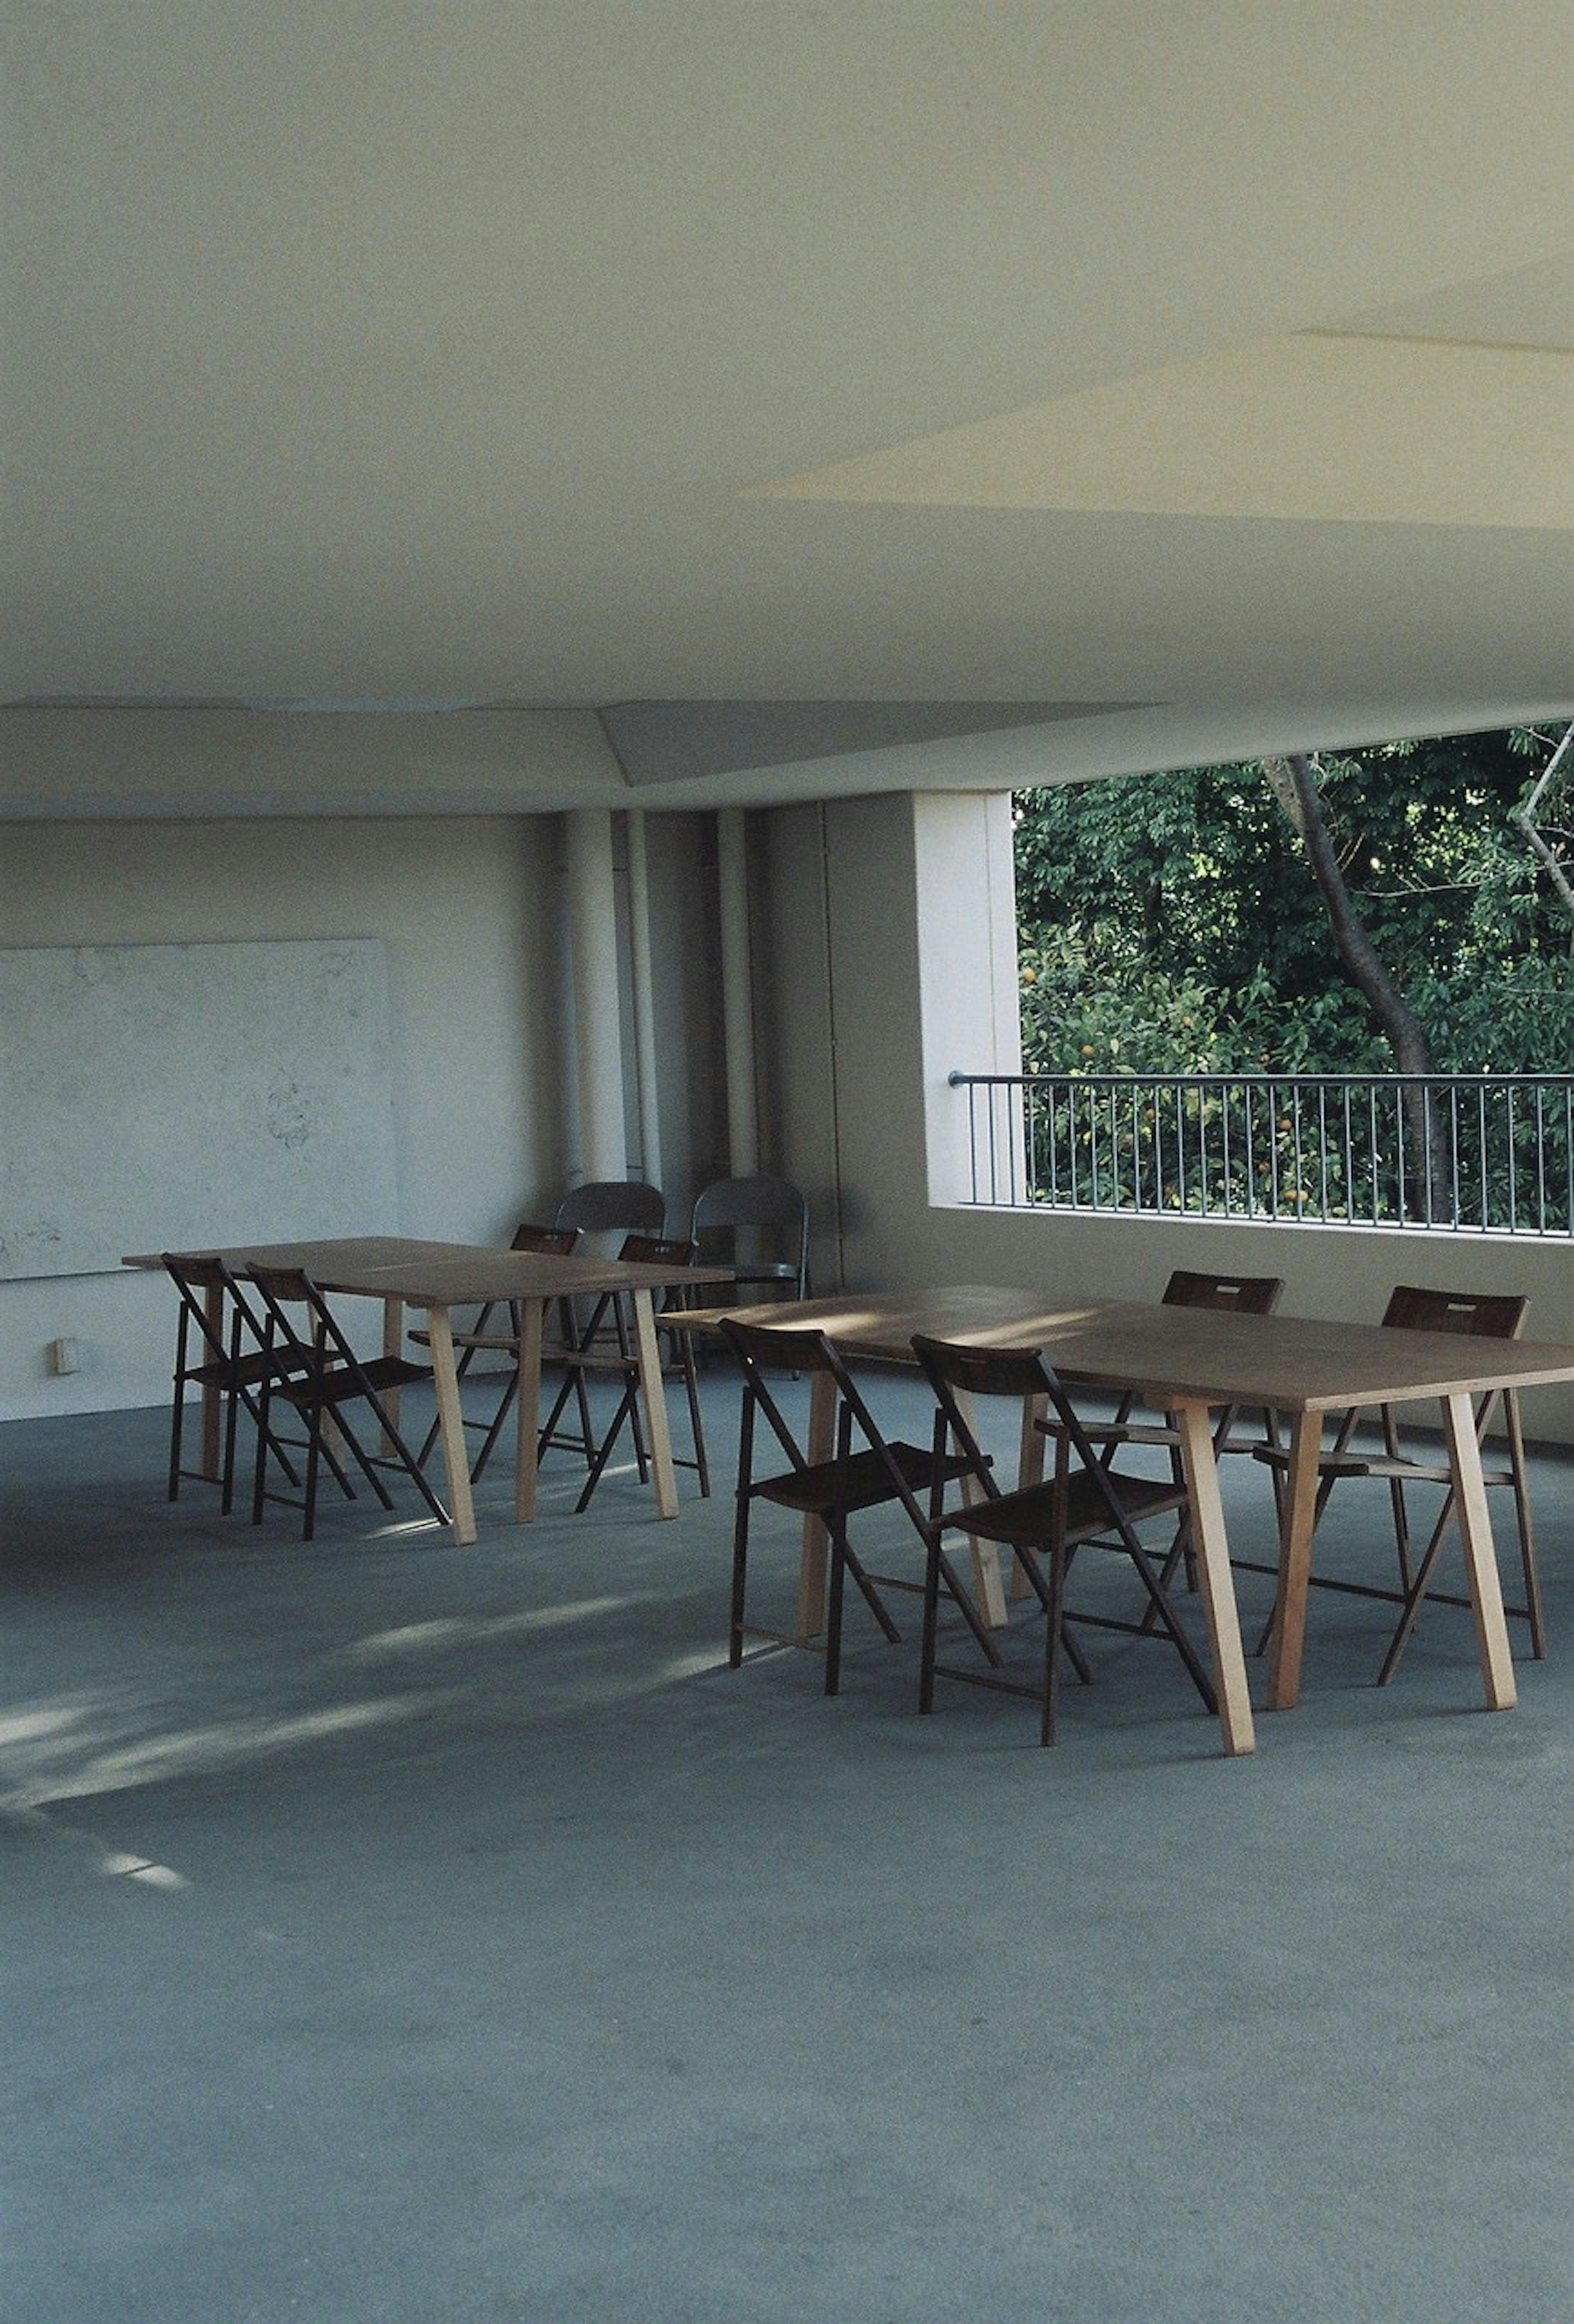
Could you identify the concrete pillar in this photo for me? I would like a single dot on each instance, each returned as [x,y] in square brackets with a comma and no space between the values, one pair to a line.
[644,998]
[737,992]
[598,1054]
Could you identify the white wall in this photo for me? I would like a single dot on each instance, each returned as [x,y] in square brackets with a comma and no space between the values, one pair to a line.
[466,910]
[469,911]
[918,923]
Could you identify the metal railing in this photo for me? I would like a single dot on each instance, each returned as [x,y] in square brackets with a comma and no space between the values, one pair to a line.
[1461,1153]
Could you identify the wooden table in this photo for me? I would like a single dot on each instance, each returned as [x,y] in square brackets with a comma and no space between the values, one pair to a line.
[1186,1360]
[438,1276]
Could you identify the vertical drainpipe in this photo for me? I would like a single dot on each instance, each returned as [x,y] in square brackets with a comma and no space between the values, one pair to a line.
[598,1058]
[737,992]
[644,998]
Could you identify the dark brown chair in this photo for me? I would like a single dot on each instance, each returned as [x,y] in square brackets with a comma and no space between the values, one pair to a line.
[1401,1460]
[478,1337]
[1239,1294]
[866,1471]
[608,1351]
[1085,1500]
[230,1365]
[334,1379]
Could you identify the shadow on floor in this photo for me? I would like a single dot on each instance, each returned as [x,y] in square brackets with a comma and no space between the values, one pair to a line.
[394,1931]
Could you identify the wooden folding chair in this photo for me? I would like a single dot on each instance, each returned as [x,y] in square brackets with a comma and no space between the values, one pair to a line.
[866,1471]
[1402,1460]
[335,1379]
[232,1367]
[1085,1500]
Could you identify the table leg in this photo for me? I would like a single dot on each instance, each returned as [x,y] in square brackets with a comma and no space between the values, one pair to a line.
[1215,1579]
[392,1345]
[1296,1522]
[1029,1472]
[1480,1557]
[212,1400]
[653,1397]
[988,1589]
[451,1426]
[821,1445]
[532,1314]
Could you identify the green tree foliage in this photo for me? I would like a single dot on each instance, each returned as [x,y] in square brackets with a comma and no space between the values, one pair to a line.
[1171,924]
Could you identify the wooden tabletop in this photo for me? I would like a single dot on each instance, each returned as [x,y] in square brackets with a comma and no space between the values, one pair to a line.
[1292,1363]
[446,1274]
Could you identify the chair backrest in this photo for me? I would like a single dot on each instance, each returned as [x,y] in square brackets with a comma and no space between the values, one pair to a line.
[609,1202]
[659,1250]
[549,1242]
[759,1205]
[758,1202]
[1246,1295]
[1476,1314]
[958,1369]
[1488,1315]
[279,1289]
[197,1278]
[799,1350]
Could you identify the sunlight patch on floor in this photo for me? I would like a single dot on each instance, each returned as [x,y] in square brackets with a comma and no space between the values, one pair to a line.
[468,1629]
[206,1750]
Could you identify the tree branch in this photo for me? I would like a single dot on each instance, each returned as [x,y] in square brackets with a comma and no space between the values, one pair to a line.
[1294,786]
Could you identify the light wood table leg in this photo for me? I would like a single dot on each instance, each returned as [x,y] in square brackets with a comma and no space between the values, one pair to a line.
[1480,1557]
[814,1553]
[1029,1472]
[1215,1579]
[212,1401]
[1296,1523]
[653,1397]
[450,1425]
[988,1589]
[392,1345]
[532,1315]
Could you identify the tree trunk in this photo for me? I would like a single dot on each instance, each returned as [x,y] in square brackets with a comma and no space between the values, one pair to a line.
[1294,786]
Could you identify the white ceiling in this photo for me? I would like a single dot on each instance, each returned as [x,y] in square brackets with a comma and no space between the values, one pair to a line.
[835,397]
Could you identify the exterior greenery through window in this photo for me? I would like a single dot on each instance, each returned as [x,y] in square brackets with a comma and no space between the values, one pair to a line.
[1171,924]
[1183,990]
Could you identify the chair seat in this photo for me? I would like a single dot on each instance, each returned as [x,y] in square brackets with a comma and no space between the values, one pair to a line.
[232,1372]
[1035,1513]
[860,1482]
[1410,1472]
[1399,1466]
[335,1387]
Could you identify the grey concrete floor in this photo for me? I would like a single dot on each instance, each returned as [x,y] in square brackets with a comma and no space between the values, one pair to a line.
[423,1936]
